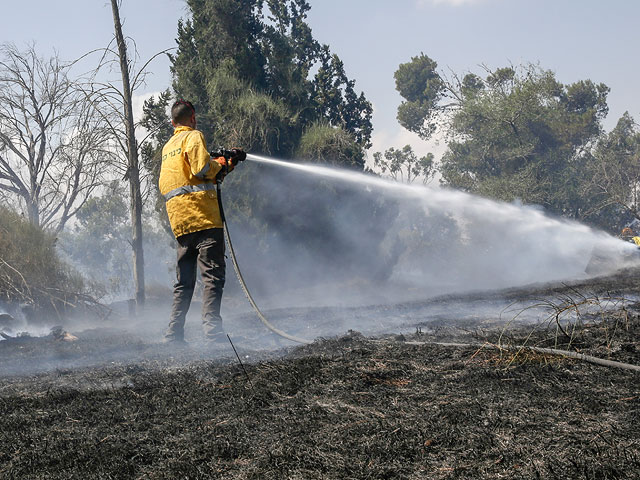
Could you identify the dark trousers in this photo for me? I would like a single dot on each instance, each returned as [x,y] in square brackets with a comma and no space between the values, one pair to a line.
[204,249]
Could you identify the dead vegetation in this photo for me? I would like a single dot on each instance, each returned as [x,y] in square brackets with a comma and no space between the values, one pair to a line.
[346,408]
[593,325]
[32,275]
[341,408]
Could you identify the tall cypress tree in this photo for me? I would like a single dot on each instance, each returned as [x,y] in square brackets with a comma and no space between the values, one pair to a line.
[260,80]
[247,66]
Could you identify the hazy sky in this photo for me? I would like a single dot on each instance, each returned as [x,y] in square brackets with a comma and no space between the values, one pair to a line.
[577,39]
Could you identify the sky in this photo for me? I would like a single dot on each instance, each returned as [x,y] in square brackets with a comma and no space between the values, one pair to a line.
[577,39]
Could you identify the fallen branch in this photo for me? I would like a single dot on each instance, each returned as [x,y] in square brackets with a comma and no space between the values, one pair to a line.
[549,351]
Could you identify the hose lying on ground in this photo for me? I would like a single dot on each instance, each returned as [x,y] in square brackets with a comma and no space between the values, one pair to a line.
[232,253]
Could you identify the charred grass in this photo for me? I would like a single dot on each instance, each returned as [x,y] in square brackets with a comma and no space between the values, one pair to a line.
[343,408]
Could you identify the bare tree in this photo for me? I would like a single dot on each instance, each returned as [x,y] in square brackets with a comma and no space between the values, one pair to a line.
[114,100]
[133,161]
[85,157]
[48,138]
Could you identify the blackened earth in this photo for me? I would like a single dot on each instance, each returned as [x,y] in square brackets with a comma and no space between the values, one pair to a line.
[391,404]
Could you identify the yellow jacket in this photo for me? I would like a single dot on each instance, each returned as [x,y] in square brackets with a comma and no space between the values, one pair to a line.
[188,182]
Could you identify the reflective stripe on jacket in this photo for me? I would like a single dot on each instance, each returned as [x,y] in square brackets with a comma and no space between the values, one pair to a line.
[188,183]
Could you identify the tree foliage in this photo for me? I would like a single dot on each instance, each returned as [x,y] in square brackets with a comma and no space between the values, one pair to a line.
[515,133]
[404,165]
[613,174]
[252,81]
[419,83]
[525,135]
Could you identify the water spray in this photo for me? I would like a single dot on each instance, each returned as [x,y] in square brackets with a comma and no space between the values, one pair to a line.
[537,233]
[539,247]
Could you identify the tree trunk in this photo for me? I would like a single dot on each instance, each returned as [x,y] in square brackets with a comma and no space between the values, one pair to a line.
[133,164]
[33,211]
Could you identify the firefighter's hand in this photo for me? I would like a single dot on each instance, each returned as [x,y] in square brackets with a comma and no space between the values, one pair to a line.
[226,168]
[237,155]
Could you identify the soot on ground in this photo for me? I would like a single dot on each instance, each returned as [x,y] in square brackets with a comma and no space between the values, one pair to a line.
[348,407]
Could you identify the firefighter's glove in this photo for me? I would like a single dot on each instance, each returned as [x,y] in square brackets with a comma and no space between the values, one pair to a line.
[237,155]
[227,166]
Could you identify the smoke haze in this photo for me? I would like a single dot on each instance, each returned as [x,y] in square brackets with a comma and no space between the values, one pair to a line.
[316,244]
[377,241]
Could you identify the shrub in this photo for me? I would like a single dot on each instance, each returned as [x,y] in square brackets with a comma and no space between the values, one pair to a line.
[324,143]
[31,272]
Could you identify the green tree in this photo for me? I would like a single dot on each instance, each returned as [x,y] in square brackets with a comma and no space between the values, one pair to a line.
[251,78]
[613,173]
[525,135]
[517,133]
[335,99]
[404,165]
[419,83]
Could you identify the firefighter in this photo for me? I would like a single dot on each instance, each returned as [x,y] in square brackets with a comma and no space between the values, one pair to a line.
[188,179]
[628,236]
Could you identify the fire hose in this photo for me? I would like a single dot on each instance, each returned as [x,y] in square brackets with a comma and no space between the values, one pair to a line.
[243,284]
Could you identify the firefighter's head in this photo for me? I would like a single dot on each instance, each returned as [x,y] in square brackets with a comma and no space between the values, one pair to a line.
[183,114]
[627,232]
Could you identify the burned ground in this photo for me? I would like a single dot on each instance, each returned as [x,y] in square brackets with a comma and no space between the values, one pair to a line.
[349,407]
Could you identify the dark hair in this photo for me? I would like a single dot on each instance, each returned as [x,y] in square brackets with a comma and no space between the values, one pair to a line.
[181,111]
